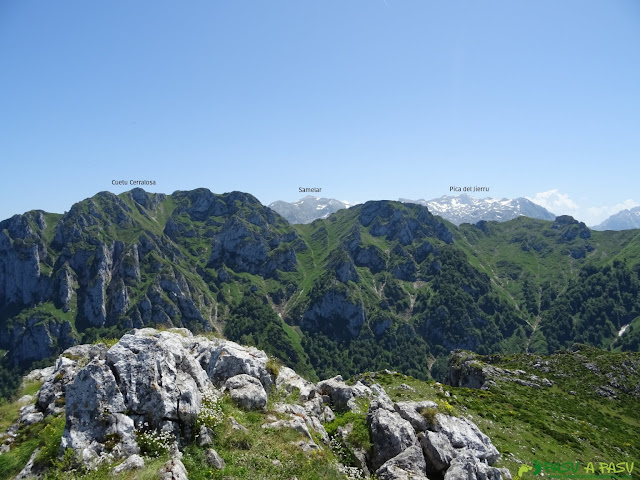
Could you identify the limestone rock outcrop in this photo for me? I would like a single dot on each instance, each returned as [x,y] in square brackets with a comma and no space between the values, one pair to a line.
[390,434]
[155,382]
[467,371]
[150,381]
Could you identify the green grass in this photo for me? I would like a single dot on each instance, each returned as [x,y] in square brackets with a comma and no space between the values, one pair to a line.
[30,388]
[360,435]
[12,462]
[634,325]
[259,453]
[302,368]
[103,472]
[10,411]
[45,435]
[52,220]
[49,437]
[46,312]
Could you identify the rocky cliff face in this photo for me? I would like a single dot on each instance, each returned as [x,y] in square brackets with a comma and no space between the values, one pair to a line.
[466,370]
[245,235]
[128,261]
[38,338]
[22,251]
[333,307]
[137,259]
[335,314]
[403,225]
[162,383]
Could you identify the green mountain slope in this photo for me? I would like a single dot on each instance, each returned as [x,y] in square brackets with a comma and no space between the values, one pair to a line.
[380,285]
[574,406]
[571,283]
[389,288]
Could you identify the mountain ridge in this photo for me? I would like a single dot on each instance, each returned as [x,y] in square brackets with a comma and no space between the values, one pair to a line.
[623,220]
[308,208]
[379,285]
[457,209]
[467,209]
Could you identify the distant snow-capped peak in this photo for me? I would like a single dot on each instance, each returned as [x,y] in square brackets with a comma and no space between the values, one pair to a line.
[456,209]
[623,220]
[467,209]
[308,208]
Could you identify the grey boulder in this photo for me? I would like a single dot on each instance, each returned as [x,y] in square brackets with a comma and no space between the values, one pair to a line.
[408,465]
[411,411]
[295,423]
[51,397]
[134,462]
[247,392]
[468,467]
[343,396]
[223,359]
[204,437]
[464,434]
[95,410]
[391,435]
[173,470]
[214,459]
[291,382]
[159,378]
[437,450]
[312,421]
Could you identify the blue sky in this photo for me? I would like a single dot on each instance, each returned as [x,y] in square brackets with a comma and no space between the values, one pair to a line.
[366,99]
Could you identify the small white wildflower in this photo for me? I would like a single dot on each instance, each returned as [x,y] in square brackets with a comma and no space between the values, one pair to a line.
[153,443]
[210,414]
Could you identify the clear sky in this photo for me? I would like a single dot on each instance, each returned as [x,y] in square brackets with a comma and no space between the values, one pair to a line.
[367,99]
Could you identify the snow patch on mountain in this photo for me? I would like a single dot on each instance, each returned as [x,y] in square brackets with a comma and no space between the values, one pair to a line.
[456,209]
[467,209]
[308,208]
